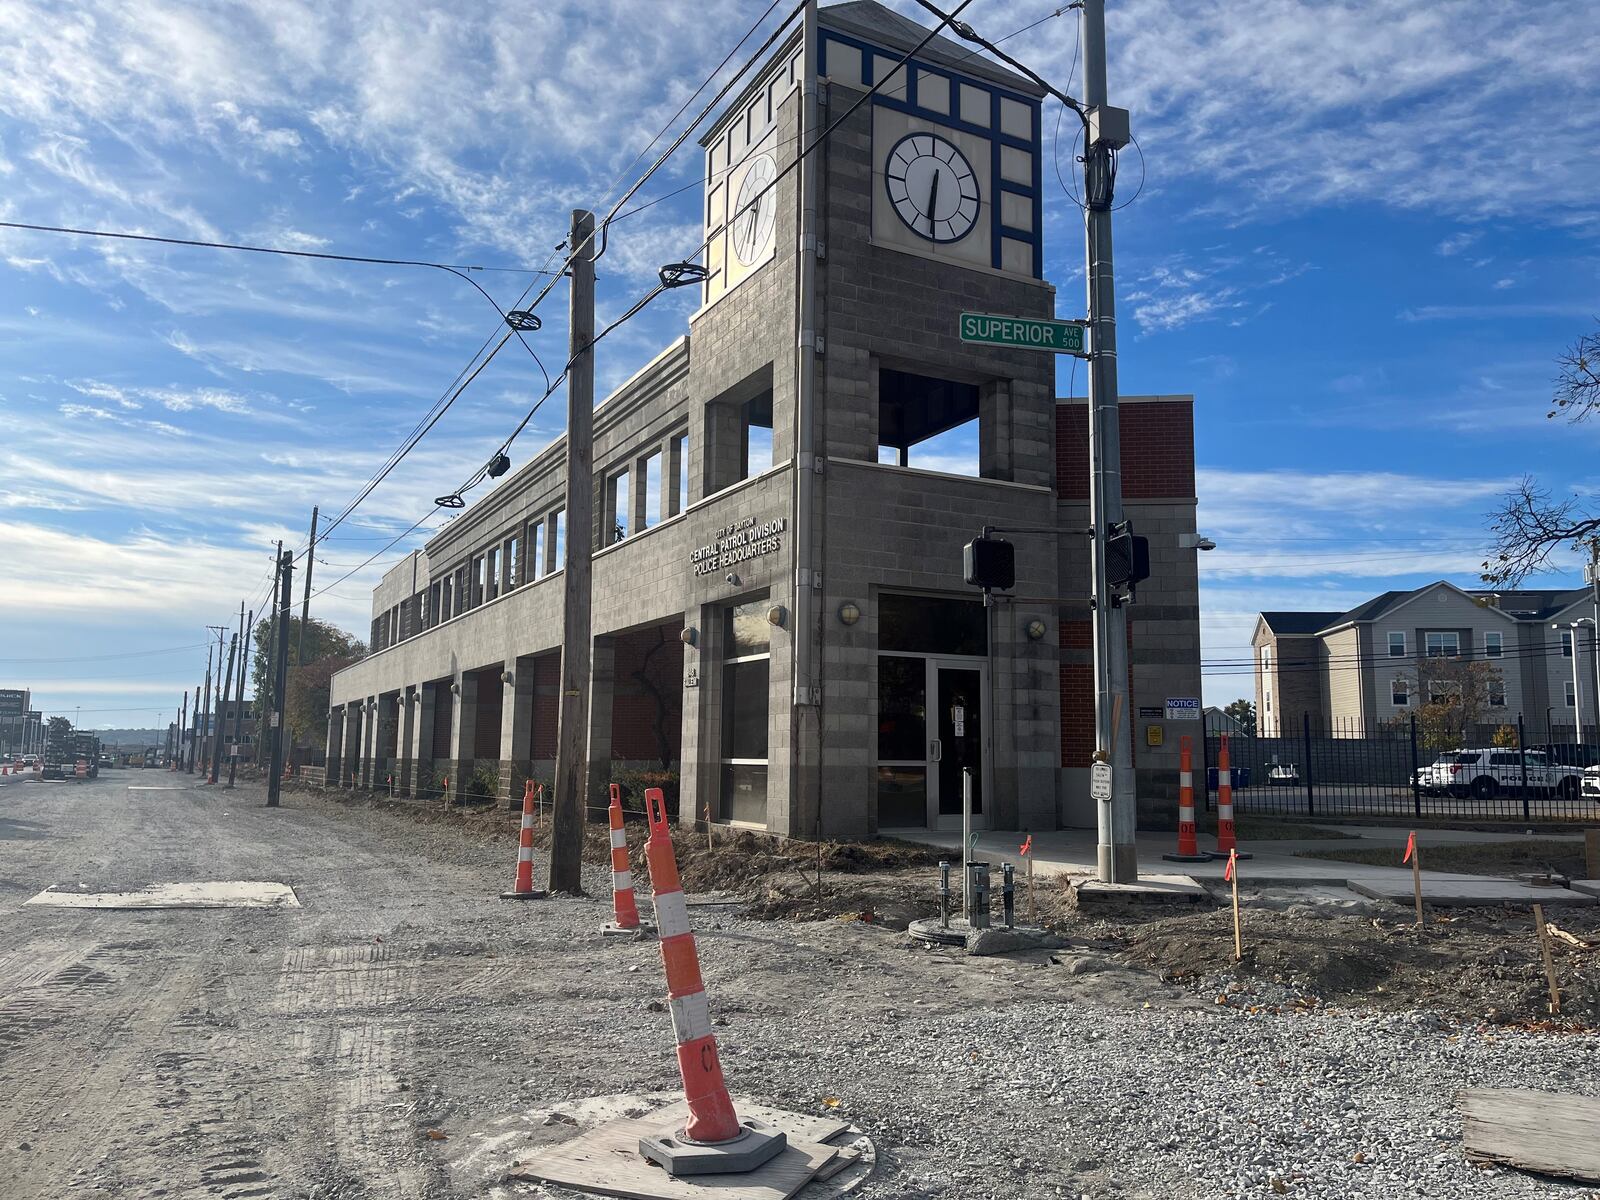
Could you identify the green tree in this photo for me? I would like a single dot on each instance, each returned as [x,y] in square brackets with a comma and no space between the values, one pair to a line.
[328,649]
[1244,712]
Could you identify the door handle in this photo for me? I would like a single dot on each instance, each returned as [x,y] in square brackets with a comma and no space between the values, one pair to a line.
[935,750]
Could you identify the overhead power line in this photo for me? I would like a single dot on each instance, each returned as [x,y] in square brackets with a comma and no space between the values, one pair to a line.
[120,235]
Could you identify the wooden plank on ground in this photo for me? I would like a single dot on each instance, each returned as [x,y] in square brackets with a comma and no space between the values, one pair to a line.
[1547,1132]
[606,1160]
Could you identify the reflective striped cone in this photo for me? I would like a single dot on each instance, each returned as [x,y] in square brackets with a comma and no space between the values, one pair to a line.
[713,1139]
[1188,843]
[524,889]
[627,920]
[1227,843]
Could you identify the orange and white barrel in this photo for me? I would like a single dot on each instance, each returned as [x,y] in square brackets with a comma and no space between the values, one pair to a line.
[1188,843]
[711,1115]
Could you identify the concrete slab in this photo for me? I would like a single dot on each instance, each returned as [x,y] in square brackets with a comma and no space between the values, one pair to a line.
[994,940]
[1470,892]
[1150,889]
[212,894]
[1589,887]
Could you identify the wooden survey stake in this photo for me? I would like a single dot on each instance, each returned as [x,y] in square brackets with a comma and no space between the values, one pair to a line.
[1415,860]
[1232,874]
[1026,850]
[1549,963]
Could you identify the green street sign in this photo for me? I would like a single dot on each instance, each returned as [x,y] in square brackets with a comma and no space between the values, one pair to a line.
[1025,333]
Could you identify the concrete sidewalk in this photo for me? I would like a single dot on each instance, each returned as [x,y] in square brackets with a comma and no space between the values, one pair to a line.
[1071,852]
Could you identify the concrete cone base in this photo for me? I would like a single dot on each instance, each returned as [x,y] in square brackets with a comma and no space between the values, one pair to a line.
[678,1156]
[1222,855]
[536,894]
[1191,857]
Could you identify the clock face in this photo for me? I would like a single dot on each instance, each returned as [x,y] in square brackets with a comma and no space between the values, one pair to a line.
[932,187]
[753,217]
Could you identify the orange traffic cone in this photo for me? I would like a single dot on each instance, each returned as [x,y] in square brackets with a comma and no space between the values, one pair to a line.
[1227,843]
[622,901]
[1188,844]
[524,889]
[713,1139]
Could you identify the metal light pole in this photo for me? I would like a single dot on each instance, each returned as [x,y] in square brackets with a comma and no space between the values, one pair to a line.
[1116,854]
[1577,689]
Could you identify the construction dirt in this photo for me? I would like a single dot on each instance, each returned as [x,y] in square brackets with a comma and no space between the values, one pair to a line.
[398,1034]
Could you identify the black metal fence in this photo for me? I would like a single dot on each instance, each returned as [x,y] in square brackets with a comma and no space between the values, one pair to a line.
[1343,773]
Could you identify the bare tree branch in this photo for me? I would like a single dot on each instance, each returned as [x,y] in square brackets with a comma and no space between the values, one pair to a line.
[1528,527]
[1577,391]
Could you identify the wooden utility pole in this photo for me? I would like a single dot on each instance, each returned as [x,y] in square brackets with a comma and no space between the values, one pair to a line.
[222,707]
[285,600]
[572,743]
[246,631]
[305,605]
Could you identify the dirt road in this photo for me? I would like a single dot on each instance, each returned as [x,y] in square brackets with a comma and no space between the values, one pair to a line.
[311,1052]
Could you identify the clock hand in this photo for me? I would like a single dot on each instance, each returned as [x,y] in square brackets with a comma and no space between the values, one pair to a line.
[933,195]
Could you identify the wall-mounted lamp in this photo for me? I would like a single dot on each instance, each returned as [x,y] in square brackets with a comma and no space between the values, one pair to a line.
[776,615]
[1195,541]
[455,687]
[849,613]
[1034,629]
[507,677]
[733,578]
[689,635]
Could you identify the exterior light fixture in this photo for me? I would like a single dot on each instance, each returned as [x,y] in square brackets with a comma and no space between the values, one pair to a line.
[507,677]
[682,274]
[523,321]
[1034,629]
[732,577]
[689,635]
[455,687]
[497,466]
[849,613]
[776,615]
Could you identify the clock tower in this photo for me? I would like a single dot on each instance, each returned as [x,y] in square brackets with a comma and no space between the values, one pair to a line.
[831,314]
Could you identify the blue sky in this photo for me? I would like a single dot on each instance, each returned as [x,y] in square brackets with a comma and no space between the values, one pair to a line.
[1365,232]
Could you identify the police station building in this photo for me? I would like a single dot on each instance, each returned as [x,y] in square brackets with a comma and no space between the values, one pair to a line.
[781,634]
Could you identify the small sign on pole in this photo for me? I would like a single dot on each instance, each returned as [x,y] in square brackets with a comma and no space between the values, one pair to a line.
[1100,782]
[1025,333]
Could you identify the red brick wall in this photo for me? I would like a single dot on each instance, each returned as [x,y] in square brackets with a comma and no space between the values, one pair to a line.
[648,697]
[1077,694]
[1157,450]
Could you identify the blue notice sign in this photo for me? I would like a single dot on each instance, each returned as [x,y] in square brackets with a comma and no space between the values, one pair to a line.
[1183,708]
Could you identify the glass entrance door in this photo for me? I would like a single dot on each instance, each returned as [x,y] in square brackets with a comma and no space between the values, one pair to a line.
[932,723]
[960,742]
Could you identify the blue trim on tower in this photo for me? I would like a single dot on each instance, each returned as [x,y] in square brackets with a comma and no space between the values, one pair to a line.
[912,106]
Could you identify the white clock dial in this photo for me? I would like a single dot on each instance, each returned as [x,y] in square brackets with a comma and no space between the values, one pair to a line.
[755,210]
[932,187]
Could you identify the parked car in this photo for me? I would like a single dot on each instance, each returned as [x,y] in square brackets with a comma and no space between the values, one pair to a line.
[1487,773]
[1284,774]
[1589,787]
[1571,754]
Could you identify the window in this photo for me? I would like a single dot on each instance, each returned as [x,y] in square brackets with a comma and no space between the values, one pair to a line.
[927,423]
[558,523]
[1397,645]
[491,573]
[1400,693]
[1497,693]
[1572,699]
[1443,691]
[756,418]
[476,582]
[650,487]
[1266,659]
[536,550]
[617,516]
[932,625]
[1493,645]
[1566,643]
[1443,645]
[1269,703]
[745,678]
[680,469]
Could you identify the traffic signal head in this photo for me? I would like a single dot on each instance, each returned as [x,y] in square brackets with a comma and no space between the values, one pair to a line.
[989,563]
[1127,557]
